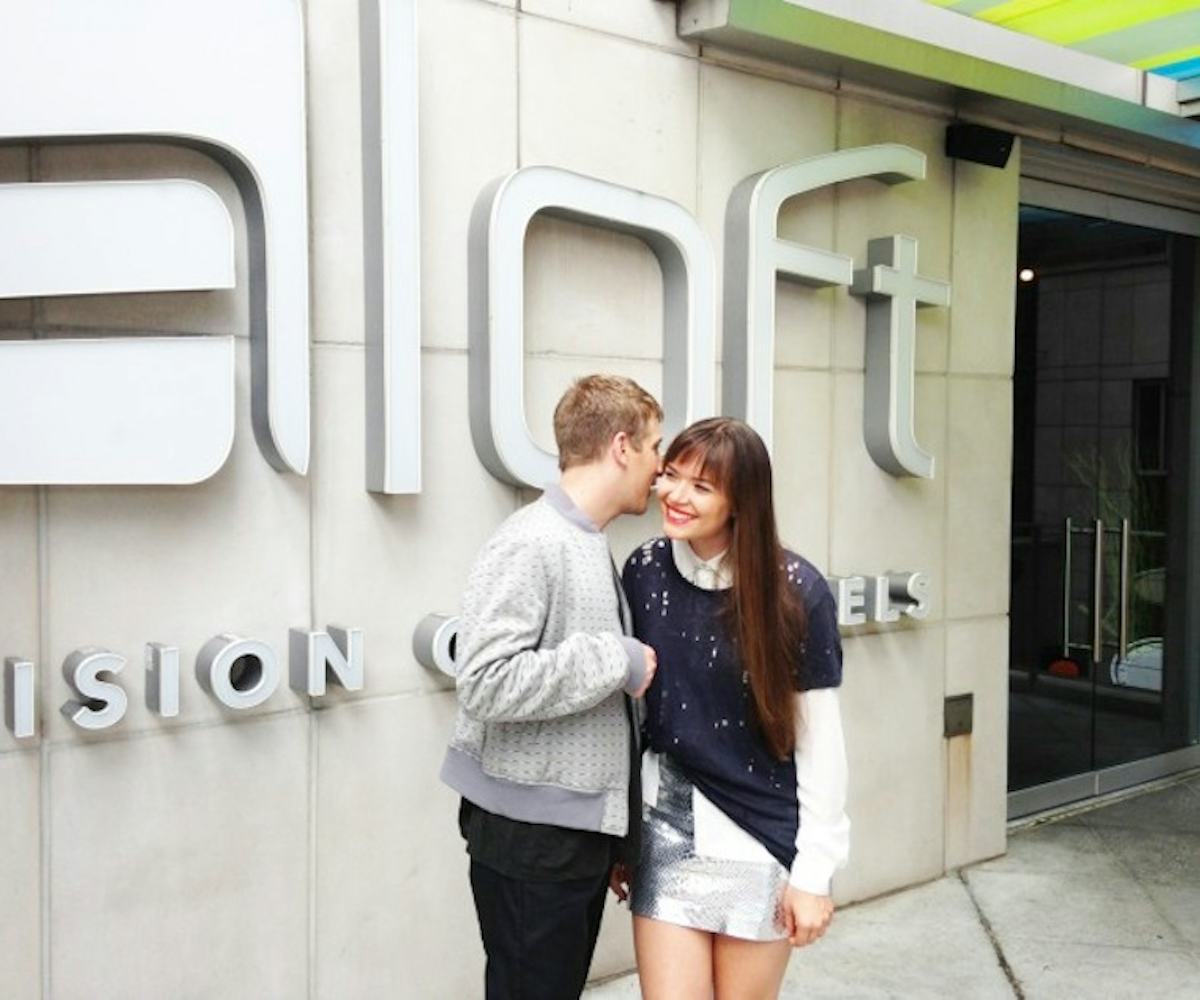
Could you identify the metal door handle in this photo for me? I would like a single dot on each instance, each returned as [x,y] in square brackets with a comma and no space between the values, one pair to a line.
[1098,593]
[1123,620]
[1066,629]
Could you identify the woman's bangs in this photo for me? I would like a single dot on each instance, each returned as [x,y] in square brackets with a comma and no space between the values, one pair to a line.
[713,457]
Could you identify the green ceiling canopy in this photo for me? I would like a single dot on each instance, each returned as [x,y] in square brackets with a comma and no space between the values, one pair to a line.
[1158,35]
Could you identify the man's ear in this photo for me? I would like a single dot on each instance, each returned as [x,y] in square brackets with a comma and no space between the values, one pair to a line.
[619,447]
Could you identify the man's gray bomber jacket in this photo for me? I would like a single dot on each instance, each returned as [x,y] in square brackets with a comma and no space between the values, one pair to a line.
[542,733]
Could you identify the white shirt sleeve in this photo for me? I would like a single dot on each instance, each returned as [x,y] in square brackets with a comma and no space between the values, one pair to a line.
[823,840]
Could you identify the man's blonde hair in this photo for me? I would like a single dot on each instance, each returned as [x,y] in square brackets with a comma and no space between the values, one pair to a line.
[594,410]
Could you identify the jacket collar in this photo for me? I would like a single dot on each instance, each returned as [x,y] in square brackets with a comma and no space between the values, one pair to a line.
[557,498]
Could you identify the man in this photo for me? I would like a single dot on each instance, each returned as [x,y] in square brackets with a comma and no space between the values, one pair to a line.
[544,751]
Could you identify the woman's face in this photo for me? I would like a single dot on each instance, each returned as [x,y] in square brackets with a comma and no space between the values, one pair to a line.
[694,508]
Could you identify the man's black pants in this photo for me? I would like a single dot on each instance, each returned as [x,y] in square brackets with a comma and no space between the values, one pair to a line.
[539,936]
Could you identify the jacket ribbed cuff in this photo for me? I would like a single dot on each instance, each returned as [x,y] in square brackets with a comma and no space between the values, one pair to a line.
[637,663]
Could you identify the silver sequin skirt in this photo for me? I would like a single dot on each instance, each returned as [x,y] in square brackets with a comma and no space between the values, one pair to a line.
[675,885]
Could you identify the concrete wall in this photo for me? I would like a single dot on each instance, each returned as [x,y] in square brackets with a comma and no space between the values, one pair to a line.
[295,850]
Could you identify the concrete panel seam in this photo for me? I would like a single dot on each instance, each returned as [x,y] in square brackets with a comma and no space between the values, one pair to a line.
[44,329]
[44,834]
[697,184]
[349,703]
[811,369]
[977,618]
[644,43]
[948,468]
[1013,982]
[231,718]
[44,777]
[311,785]
[830,462]
[980,376]
[311,895]
[873,95]
[740,62]
[349,345]
[553,355]
[436,349]
[517,81]
[31,750]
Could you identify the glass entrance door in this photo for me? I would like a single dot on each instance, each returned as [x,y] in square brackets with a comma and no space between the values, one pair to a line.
[1091,601]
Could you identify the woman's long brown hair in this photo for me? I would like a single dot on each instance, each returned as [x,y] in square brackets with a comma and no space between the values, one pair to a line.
[767,620]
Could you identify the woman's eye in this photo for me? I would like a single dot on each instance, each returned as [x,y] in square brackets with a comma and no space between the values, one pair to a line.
[703,488]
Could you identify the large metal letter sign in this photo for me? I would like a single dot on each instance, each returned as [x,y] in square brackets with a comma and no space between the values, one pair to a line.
[239,673]
[109,236]
[162,679]
[314,655]
[225,77]
[502,216]
[893,291]
[20,690]
[755,256]
[102,703]
[392,245]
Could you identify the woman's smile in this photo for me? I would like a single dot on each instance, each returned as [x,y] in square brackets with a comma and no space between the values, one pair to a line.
[673,515]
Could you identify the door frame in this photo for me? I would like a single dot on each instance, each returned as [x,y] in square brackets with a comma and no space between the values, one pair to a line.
[1056,178]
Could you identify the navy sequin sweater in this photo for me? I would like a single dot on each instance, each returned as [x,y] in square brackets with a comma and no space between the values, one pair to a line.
[699,709]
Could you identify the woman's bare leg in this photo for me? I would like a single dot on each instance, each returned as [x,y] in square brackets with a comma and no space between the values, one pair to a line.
[749,970]
[674,963]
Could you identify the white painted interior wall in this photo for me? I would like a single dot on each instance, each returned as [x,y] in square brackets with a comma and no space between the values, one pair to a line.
[292,852]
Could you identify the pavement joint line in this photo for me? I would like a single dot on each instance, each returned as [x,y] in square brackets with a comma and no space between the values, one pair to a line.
[1013,982]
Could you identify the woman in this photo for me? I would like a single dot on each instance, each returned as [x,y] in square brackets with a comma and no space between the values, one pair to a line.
[744,776]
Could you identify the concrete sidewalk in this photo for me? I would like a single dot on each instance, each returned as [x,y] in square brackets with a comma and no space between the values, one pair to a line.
[1098,904]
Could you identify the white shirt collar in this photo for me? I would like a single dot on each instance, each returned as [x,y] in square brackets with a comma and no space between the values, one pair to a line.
[707,574]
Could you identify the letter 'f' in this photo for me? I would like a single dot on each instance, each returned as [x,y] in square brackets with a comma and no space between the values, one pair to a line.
[755,257]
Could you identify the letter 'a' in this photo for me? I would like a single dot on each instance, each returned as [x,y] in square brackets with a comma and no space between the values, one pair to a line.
[225,77]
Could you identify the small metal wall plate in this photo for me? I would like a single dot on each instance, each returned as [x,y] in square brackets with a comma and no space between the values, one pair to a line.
[960,713]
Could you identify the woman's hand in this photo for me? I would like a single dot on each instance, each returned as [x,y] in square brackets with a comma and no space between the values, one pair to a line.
[618,881]
[805,917]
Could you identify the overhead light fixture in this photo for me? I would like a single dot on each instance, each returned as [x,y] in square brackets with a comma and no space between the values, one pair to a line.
[1026,274]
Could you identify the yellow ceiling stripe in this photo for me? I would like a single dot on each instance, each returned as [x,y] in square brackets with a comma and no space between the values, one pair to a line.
[1167,58]
[1069,21]
[1016,8]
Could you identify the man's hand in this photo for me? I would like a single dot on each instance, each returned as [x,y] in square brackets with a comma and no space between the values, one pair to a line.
[805,917]
[618,881]
[651,663]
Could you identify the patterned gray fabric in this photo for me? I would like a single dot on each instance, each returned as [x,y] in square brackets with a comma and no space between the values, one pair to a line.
[542,734]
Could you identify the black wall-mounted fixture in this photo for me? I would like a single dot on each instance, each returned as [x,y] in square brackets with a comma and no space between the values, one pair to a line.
[978,143]
[959,716]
